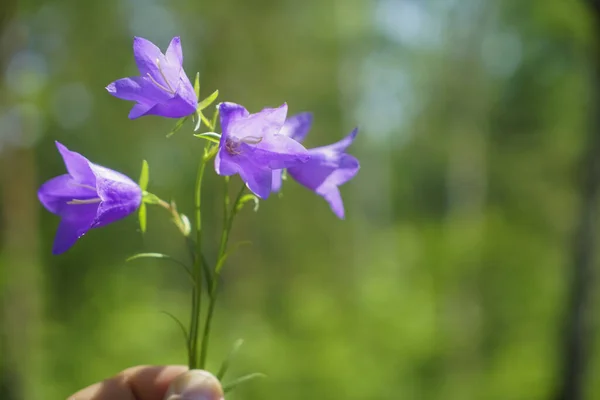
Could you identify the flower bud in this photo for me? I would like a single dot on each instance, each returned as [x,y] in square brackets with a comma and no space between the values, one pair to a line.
[195,384]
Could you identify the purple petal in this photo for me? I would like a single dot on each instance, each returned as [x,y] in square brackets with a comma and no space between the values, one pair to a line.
[256,177]
[334,198]
[225,165]
[140,89]
[321,172]
[323,177]
[237,123]
[277,180]
[127,88]
[120,195]
[176,107]
[297,126]
[230,112]
[186,91]
[77,166]
[174,52]
[112,211]
[57,192]
[278,151]
[273,120]
[152,63]
[139,110]
[328,168]
[146,55]
[342,145]
[72,228]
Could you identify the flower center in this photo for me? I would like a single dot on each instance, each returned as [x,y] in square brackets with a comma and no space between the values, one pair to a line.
[168,88]
[232,145]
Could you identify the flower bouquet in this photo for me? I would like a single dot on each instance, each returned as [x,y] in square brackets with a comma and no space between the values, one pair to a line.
[263,148]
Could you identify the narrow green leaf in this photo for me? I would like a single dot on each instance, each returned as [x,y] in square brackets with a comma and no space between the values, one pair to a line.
[142,217]
[214,118]
[197,85]
[204,120]
[245,199]
[163,257]
[232,353]
[232,385]
[177,126]
[208,101]
[144,175]
[198,121]
[210,136]
[182,326]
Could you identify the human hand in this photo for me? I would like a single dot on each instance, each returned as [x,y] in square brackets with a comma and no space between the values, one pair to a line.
[155,383]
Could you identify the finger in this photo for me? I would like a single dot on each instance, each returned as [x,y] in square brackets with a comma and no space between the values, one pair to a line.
[136,383]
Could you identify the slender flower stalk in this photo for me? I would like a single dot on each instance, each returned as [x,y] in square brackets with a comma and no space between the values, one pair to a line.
[228,216]
[198,262]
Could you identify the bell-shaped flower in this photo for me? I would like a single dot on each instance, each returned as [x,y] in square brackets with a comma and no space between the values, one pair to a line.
[162,88]
[328,167]
[89,196]
[251,145]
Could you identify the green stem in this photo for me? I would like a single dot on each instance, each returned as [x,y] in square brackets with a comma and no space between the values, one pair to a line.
[198,266]
[227,225]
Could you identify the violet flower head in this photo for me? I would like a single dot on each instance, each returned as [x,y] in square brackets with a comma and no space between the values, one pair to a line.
[89,196]
[162,88]
[251,145]
[328,168]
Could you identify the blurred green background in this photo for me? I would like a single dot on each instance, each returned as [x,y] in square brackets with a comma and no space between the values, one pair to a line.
[452,275]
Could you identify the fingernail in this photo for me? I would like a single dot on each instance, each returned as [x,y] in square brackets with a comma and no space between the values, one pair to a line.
[195,384]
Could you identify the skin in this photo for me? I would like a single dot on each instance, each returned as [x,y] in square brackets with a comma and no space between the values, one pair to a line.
[136,383]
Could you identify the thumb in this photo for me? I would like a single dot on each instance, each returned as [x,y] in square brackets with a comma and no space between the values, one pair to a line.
[195,384]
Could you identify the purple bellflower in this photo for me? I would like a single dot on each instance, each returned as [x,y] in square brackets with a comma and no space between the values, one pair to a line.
[328,166]
[162,88]
[89,196]
[251,145]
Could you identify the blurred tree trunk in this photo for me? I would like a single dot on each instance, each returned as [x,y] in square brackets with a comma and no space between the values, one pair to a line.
[577,326]
[19,290]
